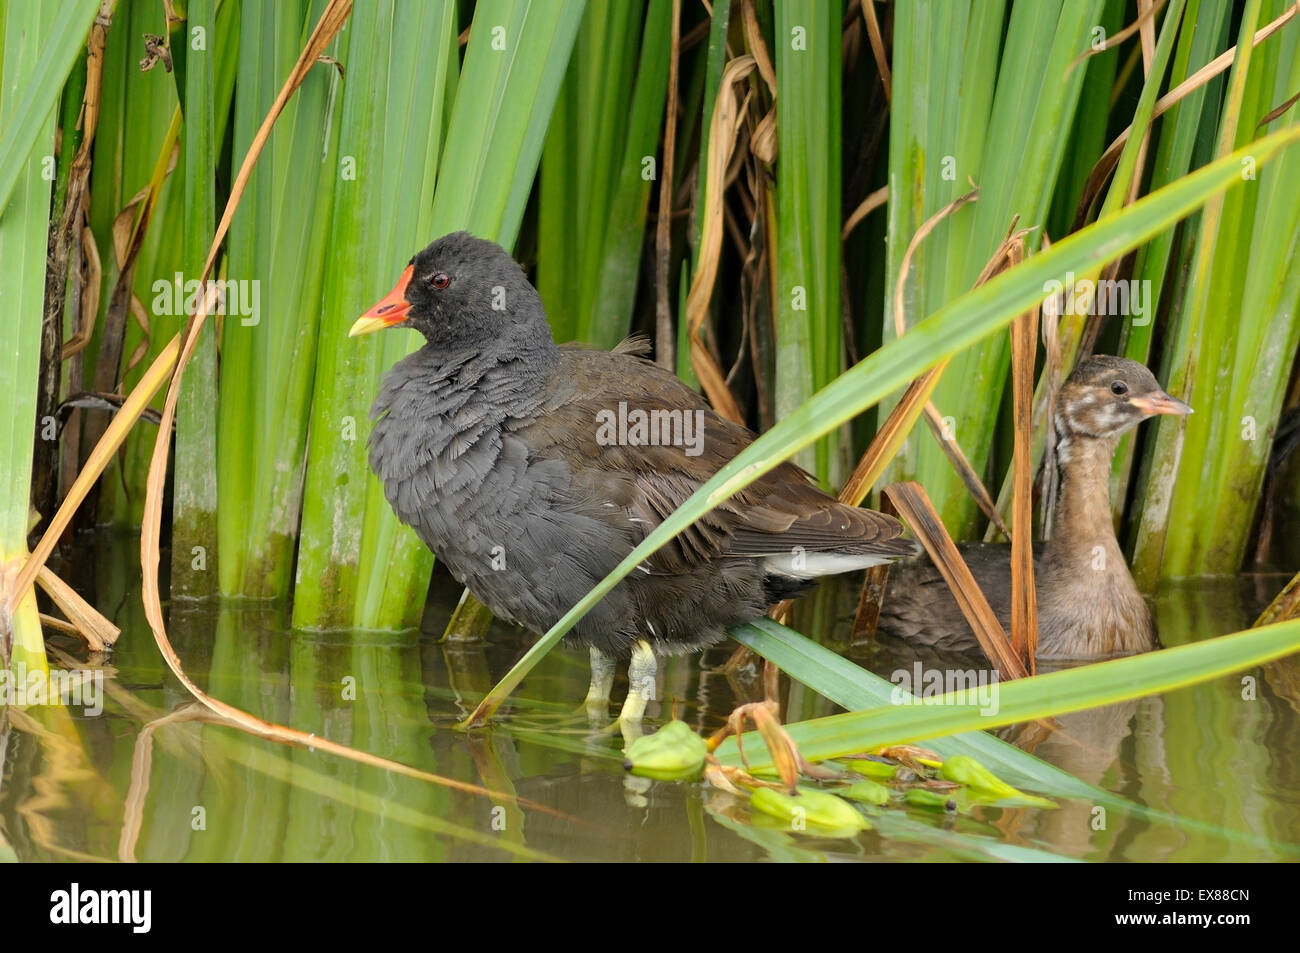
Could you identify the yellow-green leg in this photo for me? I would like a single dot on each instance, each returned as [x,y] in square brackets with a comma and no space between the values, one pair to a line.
[640,683]
[602,680]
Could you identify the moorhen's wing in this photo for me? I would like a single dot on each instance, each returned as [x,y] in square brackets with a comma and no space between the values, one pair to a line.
[620,477]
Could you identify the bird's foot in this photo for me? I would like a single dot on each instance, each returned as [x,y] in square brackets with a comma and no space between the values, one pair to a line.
[596,704]
[640,691]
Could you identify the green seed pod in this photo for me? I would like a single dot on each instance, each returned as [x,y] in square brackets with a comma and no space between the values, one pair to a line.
[672,753]
[931,800]
[982,782]
[867,791]
[810,810]
[872,769]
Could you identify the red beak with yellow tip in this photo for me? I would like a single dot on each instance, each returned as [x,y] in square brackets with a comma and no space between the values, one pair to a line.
[391,309]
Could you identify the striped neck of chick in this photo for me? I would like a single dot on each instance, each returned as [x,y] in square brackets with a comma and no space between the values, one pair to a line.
[1088,602]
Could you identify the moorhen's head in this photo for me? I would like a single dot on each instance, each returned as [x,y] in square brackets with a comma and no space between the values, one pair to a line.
[1105,396]
[462,291]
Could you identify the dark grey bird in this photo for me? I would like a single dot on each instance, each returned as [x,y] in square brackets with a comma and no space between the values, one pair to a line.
[531,470]
[1088,604]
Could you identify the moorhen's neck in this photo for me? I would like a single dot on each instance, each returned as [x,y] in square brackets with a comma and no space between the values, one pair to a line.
[1082,518]
[530,359]
[1088,602]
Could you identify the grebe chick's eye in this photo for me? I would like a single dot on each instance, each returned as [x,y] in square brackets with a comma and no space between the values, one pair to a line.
[1119,388]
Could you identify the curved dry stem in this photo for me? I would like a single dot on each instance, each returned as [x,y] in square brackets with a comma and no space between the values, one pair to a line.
[872,202]
[99,458]
[1277,111]
[723,129]
[929,225]
[330,23]
[754,40]
[665,339]
[1118,38]
[878,48]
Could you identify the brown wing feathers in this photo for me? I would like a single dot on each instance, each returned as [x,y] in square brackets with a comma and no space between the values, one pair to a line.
[779,511]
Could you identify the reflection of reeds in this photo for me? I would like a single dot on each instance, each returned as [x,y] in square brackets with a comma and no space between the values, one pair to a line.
[161,821]
[65,782]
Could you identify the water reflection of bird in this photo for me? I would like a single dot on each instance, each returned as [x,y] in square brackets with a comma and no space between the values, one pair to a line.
[1088,604]
[493,443]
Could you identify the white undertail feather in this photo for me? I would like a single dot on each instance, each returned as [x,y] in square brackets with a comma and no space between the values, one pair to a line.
[815,565]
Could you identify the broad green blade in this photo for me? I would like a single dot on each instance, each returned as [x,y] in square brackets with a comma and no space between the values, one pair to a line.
[194,487]
[807,293]
[1233,340]
[27,111]
[137,112]
[1071,326]
[278,243]
[968,95]
[1028,699]
[862,692]
[512,74]
[852,687]
[598,168]
[393,122]
[1204,24]
[43,47]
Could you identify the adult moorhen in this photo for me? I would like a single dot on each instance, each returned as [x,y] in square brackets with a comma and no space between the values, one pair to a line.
[1088,604]
[531,470]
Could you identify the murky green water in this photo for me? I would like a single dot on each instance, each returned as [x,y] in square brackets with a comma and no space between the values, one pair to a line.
[125,785]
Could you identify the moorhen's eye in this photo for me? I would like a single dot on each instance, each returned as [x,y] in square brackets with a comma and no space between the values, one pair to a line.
[1119,388]
[439,281]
